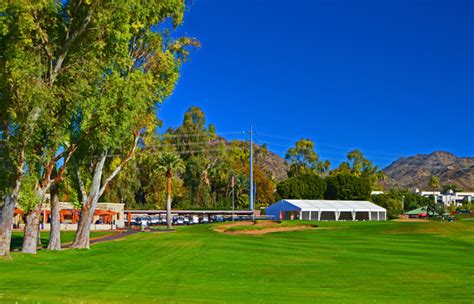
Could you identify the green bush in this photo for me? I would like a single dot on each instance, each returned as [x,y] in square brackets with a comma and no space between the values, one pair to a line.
[307,186]
[347,187]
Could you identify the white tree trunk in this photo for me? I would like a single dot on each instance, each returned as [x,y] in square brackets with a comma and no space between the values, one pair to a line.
[6,225]
[81,240]
[55,223]
[30,239]
[6,220]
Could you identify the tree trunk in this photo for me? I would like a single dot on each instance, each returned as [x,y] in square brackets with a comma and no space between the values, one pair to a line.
[6,225]
[81,241]
[168,206]
[55,223]
[6,220]
[30,239]
[38,240]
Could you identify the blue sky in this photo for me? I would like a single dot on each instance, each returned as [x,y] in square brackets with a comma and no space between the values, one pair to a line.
[392,78]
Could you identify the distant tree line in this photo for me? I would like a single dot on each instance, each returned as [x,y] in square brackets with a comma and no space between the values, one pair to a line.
[341,186]
[214,170]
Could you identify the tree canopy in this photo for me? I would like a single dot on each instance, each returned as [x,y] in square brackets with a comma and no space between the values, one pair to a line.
[347,187]
[303,159]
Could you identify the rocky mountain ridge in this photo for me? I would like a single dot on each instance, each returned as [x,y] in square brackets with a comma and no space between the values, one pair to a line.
[415,171]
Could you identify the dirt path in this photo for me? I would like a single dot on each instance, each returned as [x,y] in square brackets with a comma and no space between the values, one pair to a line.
[106,238]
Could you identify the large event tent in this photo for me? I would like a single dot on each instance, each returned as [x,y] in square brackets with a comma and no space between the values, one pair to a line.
[326,210]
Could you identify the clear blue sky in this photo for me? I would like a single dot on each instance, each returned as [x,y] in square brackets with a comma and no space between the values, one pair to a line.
[393,78]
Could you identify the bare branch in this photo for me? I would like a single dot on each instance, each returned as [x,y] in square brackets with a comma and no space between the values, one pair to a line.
[82,188]
[136,135]
[59,178]
[70,38]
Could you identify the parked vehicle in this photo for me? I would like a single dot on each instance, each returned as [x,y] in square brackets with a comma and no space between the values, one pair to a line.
[195,219]
[218,219]
[186,220]
[154,221]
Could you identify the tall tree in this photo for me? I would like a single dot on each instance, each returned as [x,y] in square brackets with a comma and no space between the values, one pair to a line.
[38,58]
[141,71]
[193,140]
[303,159]
[434,185]
[170,164]
[358,165]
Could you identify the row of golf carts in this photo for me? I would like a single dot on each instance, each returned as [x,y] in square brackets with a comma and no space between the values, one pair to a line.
[184,220]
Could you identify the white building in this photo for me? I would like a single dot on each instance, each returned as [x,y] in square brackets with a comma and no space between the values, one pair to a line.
[449,198]
[327,210]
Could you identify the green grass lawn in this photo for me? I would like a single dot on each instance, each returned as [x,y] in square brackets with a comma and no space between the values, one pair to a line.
[339,262]
[66,237]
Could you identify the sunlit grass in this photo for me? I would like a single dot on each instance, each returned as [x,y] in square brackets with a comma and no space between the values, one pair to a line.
[345,262]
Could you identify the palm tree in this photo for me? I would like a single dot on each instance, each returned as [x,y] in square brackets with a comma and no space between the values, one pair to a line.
[170,163]
[434,185]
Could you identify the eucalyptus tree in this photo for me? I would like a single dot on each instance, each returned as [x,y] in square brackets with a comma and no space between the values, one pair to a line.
[141,70]
[194,141]
[303,159]
[41,57]
[358,165]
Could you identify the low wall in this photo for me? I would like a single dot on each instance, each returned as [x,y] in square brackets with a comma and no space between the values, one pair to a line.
[73,227]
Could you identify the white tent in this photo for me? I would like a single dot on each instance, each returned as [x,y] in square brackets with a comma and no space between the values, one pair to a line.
[320,210]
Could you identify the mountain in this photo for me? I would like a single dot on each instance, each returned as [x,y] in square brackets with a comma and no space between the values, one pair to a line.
[416,171]
[273,163]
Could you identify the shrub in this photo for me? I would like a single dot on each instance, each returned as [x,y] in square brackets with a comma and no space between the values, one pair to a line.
[347,187]
[307,186]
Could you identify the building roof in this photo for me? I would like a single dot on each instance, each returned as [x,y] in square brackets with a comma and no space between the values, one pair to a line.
[329,205]
[416,211]
[420,210]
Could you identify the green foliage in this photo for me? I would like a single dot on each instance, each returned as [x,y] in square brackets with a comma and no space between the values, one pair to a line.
[118,101]
[392,204]
[307,186]
[410,200]
[453,187]
[358,165]
[434,183]
[304,160]
[347,187]
[243,202]
[28,196]
[209,162]
[170,163]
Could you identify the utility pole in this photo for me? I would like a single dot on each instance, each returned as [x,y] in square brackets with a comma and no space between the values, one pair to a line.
[233,195]
[251,173]
[403,204]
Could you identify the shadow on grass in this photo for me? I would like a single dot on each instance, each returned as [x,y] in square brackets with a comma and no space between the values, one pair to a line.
[17,242]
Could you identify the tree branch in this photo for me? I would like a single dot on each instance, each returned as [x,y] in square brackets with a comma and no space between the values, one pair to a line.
[82,188]
[136,135]
[68,43]
[59,178]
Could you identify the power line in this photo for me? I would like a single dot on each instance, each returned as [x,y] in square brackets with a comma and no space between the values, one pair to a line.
[329,152]
[319,143]
[201,134]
